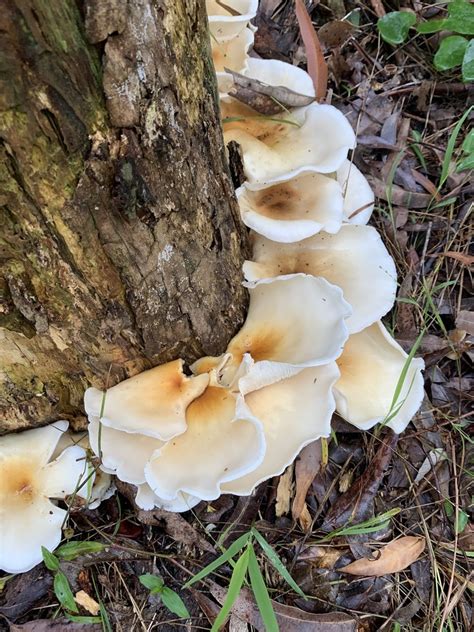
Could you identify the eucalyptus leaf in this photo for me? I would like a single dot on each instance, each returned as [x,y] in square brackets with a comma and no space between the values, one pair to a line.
[394,26]
[450,52]
[468,63]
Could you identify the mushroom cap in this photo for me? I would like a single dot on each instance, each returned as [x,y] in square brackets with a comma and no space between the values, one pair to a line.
[312,138]
[231,54]
[358,196]
[355,259]
[152,403]
[124,454]
[294,412]
[279,73]
[292,209]
[146,499]
[295,320]
[223,441]
[370,366]
[28,519]
[222,24]
[100,486]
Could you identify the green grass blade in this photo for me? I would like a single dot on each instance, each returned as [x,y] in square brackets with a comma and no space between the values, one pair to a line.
[367,526]
[406,366]
[233,549]
[235,584]
[450,147]
[261,595]
[277,563]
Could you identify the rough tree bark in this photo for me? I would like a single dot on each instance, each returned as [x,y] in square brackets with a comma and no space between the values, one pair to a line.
[121,244]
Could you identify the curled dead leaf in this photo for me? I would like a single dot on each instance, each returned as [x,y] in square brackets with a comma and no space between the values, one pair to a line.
[264,98]
[317,67]
[392,558]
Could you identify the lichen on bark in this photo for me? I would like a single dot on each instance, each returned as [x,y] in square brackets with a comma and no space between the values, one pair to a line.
[121,243]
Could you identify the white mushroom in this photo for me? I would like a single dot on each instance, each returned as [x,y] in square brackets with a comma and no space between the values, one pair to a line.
[358,196]
[100,485]
[292,209]
[229,17]
[223,441]
[231,54]
[294,412]
[371,366]
[152,403]
[279,73]
[355,259]
[313,138]
[146,499]
[122,453]
[28,480]
[295,320]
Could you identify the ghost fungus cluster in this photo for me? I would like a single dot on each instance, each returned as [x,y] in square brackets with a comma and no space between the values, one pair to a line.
[313,343]
[37,468]
[319,281]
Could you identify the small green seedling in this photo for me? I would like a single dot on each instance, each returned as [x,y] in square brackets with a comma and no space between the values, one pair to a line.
[454,50]
[169,597]
[61,586]
[246,569]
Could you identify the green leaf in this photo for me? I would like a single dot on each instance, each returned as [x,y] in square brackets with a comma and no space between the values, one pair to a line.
[233,549]
[277,563]
[468,143]
[450,52]
[260,592]
[173,602]
[235,584]
[460,17]
[432,26]
[50,561]
[466,163]
[394,26]
[461,521]
[154,583]
[63,592]
[3,581]
[468,63]
[71,550]
[450,147]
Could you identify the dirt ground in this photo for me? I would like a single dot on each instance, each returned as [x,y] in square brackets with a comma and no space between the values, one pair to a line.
[406,114]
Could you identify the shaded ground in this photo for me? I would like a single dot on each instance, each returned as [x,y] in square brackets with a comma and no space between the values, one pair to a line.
[405,114]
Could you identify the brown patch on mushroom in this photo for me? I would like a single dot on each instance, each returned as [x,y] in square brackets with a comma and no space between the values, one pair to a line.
[279,201]
[214,403]
[18,482]
[262,343]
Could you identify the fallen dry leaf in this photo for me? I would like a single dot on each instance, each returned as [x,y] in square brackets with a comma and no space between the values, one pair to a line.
[392,558]
[465,321]
[263,97]
[89,604]
[57,625]
[306,467]
[317,67]
[467,260]
[356,503]
[284,492]
[289,619]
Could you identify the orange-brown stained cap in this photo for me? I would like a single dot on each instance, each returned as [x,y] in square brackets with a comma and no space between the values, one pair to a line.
[152,403]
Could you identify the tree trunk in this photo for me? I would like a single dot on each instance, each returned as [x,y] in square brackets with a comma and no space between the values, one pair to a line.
[121,243]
